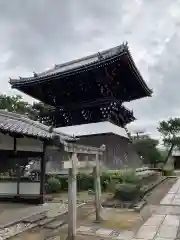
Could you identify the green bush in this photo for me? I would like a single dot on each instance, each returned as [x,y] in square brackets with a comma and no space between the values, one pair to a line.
[109,180]
[63,181]
[129,176]
[53,185]
[168,171]
[85,182]
[127,192]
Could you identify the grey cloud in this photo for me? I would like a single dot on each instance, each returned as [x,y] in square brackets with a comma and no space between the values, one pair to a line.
[38,34]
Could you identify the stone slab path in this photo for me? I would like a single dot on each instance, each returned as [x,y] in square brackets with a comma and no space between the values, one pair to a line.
[15,212]
[173,196]
[164,224]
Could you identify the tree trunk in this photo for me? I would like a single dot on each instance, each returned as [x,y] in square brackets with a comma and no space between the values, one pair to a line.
[169,154]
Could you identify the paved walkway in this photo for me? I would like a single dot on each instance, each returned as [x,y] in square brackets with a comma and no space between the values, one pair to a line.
[164,224]
[173,196]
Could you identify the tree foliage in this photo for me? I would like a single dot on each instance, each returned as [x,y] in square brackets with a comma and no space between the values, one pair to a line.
[170,132]
[147,150]
[16,104]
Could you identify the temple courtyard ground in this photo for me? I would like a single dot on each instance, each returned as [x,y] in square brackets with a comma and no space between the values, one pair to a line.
[158,220]
[163,222]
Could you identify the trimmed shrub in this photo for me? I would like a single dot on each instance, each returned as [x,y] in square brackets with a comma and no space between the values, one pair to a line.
[127,192]
[53,185]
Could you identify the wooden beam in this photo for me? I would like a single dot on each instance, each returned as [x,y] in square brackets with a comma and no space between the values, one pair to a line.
[97,185]
[17,165]
[83,164]
[70,147]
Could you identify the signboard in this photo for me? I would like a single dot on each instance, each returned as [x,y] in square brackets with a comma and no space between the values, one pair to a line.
[83,164]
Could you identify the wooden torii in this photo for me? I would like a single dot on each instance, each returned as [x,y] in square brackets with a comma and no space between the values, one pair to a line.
[73,165]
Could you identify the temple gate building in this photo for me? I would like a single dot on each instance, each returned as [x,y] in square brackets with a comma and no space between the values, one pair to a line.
[89,93]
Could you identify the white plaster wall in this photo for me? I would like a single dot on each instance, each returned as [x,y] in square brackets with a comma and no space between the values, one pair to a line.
[8,188]
[29,144]
[93,129]
[6,142]
[29,188]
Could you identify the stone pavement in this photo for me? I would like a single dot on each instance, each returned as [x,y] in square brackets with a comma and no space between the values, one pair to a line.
[164,224]
[11,213]
[173,196]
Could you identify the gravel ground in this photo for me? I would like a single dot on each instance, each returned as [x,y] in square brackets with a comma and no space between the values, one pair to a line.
[152,198]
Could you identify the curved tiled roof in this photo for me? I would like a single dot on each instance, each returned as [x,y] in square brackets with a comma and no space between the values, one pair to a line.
[20,124]
[75,64]
[83,64]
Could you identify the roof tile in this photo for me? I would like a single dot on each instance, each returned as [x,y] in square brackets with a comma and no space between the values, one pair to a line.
[16,123]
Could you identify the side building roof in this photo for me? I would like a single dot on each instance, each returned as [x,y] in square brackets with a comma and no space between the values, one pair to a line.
[14,123]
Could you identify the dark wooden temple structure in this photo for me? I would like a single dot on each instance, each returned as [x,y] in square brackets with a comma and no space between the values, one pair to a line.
[88,90]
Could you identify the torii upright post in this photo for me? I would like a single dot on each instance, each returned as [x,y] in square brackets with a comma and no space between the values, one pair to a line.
[72,189]
[97,184]
[73,165]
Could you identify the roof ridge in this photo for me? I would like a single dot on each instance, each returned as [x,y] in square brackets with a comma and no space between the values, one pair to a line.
[88,57]
[113,51]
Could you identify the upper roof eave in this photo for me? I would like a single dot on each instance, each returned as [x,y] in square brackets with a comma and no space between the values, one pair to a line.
[83,64]
[78,64]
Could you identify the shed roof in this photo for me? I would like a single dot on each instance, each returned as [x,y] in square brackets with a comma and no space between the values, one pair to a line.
[19,124]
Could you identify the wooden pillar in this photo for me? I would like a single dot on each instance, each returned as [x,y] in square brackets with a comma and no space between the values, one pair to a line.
[97,184]
[17,165]
[72,199]
[42,173]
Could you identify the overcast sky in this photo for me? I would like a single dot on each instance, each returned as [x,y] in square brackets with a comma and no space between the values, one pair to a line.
[35,35]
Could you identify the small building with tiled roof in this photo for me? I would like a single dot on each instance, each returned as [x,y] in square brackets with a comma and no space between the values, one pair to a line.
[22,139]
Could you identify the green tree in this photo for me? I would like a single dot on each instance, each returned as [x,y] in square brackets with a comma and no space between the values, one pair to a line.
[147,149]
[14,104]
[35,111]
[170,131]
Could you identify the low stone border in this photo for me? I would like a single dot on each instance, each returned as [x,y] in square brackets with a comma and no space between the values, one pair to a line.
[126,205]
[139,206]
[155,185]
